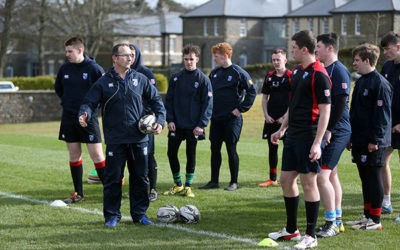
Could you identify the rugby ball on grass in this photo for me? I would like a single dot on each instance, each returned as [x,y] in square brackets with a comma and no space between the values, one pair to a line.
[189,214]
[168,214]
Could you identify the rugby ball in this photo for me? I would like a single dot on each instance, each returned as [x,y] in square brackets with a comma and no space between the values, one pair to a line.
[189,214]
[168,214]
[146,124]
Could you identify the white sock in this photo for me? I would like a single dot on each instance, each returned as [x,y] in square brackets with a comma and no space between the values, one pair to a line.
[386,200]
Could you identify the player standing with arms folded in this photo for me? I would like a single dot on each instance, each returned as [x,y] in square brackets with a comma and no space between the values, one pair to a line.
[275,102]
[370,118]
[391,71]
[73,81]
[234,93]
[189,103]
[306,121]
[337,134]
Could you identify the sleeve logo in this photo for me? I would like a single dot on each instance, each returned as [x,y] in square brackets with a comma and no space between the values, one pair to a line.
[379,103]
[327,92]
[344,85]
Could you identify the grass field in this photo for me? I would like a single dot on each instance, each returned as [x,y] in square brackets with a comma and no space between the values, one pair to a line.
[34,169]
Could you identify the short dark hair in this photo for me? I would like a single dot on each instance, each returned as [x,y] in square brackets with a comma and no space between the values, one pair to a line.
[390,38]
[76,42]
[329,39]
[115,49]
[305,38]
[367,51]
[191,48]
[279,51]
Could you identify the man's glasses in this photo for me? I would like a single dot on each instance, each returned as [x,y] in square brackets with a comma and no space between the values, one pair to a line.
[127,55]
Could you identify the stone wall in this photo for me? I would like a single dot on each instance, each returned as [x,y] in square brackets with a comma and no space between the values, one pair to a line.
[29,106]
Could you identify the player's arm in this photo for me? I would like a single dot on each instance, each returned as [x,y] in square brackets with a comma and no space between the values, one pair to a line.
[90,103]
[324,112]
[247,84]
[169,104]
[151,95]
[264,102]
[58,84]
[281,131]
[206,106]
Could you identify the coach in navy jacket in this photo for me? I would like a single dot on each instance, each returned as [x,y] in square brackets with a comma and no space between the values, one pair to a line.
[121,92]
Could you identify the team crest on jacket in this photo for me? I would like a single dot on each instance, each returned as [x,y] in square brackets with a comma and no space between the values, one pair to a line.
[344,85]
[365,92]
[66,76]
[379,103]
[229,78]
[305,75]
[215,76]
[175,79]
[152,81]
[110,85]
[196,85]
[84,76]
[135,82]
[294,72]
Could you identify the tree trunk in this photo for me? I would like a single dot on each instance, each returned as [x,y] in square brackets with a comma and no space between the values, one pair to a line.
[8,8]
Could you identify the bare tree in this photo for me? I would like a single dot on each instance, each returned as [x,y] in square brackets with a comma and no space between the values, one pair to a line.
[5,34]
[377,21]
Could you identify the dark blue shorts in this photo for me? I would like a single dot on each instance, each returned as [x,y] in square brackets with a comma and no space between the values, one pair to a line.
[362,157]
[295,156]
[396,141]
[226,130]
[269,129]
[72,131]
[185,134]
[331,154]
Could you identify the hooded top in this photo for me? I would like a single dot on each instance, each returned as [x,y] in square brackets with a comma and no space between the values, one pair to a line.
[73,81]
[137,65]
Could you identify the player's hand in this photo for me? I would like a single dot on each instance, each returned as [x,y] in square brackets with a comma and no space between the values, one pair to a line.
[315,152]
[396,129]
[236,112]
[269,119]
[171,126]
[372,147]
[197,131]
[276,136]
[157,128]
[348,147]
[83,119]
[280,120]
[328,137]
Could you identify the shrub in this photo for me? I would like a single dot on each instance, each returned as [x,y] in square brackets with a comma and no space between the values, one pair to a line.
[32,83]
[162,82]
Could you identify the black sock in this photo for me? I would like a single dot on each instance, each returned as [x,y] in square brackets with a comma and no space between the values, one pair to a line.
[292,204]
[100,169]
[312,208]
[77,172]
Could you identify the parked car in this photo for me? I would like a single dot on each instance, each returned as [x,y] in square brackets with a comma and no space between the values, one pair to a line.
[6,86]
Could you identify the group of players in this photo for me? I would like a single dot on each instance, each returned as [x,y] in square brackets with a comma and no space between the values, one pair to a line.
[308,108]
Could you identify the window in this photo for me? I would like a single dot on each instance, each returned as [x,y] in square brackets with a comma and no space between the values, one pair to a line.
[243,28]
[205,32]
[325,26]
[243,60]
[9,71]
[344,25]
[310,25]
[357,30]
[216,33]
[157,46]
[146,47]
[51,67]
[296,26]
[172,44]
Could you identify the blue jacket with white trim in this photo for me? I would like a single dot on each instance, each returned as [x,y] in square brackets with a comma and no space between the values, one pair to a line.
[122,105]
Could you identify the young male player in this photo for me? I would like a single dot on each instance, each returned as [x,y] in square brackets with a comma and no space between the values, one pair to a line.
[391,71]
[121,92]
[234,93]
[306,121]
[189,103]
[371,132]
[337,134]
[137,65]
[74,79]
[275,102]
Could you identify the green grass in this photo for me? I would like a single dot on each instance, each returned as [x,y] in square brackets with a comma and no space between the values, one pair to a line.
[34,164]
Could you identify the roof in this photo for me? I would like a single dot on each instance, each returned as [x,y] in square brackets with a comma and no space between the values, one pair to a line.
[153,25]
[240,8]
[368,6]
[314,8]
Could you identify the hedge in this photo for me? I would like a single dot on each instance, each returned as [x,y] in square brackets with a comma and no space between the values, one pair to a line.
[162,82]
[32,83]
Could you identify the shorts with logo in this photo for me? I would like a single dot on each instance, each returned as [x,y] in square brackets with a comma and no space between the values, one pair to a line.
[226,130]
[72,131]
[362,157]
[269,129]
[331,154]
[295,156]
[184,134]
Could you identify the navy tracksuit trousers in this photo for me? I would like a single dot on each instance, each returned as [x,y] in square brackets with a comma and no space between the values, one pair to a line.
[117,155]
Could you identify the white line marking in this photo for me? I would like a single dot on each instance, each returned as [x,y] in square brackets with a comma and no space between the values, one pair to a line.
[176,227]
